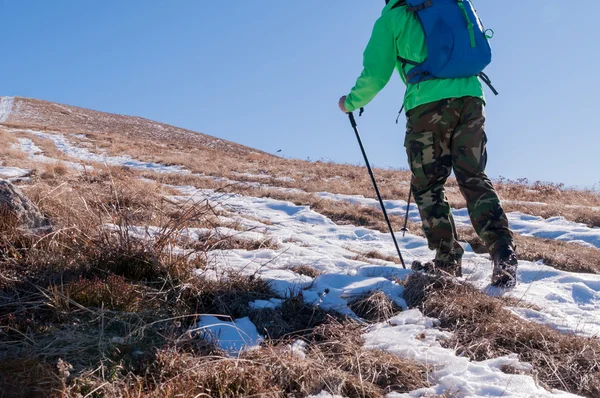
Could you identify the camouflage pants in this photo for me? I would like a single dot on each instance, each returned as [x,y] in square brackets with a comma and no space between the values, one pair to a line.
[442,136]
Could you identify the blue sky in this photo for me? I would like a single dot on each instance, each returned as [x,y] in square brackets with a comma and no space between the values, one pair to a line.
[268,74]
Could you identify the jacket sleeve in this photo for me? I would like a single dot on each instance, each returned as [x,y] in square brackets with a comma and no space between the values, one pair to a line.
[379,62]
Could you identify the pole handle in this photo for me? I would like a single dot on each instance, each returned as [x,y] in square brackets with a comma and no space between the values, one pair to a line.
[352,119]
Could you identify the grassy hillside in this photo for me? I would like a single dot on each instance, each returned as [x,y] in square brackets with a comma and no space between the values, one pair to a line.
[94,309]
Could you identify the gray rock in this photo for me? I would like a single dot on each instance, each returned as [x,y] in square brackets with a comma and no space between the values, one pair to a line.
[13,203]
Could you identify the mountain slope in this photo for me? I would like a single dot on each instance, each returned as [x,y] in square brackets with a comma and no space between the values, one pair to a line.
[44,115]
[294,259]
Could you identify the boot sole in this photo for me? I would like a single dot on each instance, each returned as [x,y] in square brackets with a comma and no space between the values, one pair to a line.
[418,266]
[505,281]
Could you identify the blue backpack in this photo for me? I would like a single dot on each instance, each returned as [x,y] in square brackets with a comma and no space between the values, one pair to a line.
[457,43]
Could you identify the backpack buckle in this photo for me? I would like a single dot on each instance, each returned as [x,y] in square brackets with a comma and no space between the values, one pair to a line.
[420,7]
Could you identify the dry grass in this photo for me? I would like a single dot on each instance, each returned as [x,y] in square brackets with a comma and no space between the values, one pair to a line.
[306,270]
[29,378]
[342,343]
[91,311]
[484,329]
[353,180]
[213,241]
[374,307]
[7,153]
[581,206]
[335,361]
[585,215]
[545,192]
[376,255]
[149,141]
[561,255]
[293,318]
[101,313]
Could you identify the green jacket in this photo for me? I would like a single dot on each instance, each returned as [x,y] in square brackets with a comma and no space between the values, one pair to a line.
[398,32]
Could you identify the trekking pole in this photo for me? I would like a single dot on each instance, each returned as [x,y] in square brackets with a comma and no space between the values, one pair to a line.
[362,148]
[404,229]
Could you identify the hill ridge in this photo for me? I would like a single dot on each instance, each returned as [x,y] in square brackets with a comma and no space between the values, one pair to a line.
[23,112]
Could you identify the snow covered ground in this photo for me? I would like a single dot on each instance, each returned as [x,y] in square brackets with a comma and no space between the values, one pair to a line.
[14,173]
[411,335]
[527,225]
[569,302]
[524,224]
[85,155]
[6,105]
[232,336]
[37,154]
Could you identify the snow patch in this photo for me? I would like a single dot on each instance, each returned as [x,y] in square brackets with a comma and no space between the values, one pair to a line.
[527,225]
[63,145]
[412,335]
[232,337]
[6,106]
[298,349]
[263,177]
[266,304]
[325,394]
[567,301]
[11,173]
[37,154]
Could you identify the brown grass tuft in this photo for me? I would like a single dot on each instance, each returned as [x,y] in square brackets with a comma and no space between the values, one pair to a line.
[294,317]
[114,293]
[230,294]
[342,343]
[29,378]
[233,242]
[306,270]
[374,307]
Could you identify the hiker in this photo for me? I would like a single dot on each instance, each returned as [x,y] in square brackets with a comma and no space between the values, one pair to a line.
[444,132]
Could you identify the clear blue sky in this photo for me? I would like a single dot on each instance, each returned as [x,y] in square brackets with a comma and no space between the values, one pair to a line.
[268,74]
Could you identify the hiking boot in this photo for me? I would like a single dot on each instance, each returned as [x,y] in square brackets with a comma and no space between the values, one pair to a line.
[438,267]
[505,268]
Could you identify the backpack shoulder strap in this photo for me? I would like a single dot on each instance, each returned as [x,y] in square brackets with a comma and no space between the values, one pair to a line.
[399,4]
[426,4]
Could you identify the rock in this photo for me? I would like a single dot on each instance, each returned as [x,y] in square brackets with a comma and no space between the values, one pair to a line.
[16,206]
